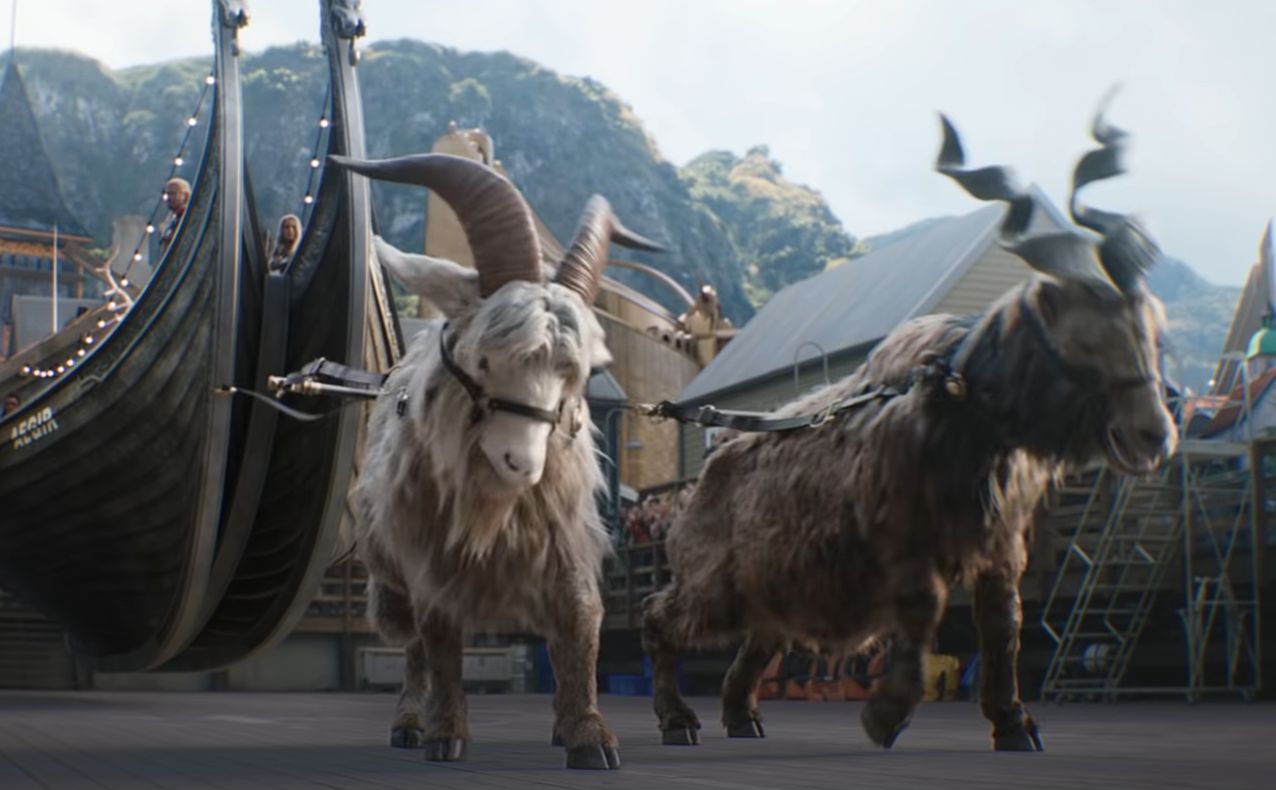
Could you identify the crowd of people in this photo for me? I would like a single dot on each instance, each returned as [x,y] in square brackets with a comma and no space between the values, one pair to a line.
[647,520]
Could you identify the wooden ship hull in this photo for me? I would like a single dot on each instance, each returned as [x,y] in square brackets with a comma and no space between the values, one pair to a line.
[113,476]
[284,520]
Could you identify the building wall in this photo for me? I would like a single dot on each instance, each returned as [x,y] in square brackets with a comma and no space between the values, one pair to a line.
[302,662]
[996,272]
[765,395]
[649,371]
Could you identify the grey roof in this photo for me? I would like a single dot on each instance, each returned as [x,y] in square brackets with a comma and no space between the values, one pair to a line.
[857,303]
[29,194]
[603,389]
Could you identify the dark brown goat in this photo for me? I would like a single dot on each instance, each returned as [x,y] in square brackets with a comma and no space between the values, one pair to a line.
[832,536]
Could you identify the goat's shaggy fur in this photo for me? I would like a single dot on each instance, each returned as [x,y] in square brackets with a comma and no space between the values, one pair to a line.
[447,543]
[832,536]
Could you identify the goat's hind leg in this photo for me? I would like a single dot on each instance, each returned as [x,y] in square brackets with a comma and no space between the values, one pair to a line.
[739,688]
[663,623]
[917,614]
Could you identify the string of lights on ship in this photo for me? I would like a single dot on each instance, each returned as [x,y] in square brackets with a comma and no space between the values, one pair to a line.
[119,300]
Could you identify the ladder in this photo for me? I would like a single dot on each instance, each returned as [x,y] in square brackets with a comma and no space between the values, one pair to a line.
[1125,542]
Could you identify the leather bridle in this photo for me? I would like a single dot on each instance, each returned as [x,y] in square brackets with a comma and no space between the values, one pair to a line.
[1086,378]
[484,404]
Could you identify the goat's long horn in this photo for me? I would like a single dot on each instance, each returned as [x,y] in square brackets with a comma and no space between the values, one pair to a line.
[497,221]
[1065,255]
[985,183]
[1126,252]
[581,268]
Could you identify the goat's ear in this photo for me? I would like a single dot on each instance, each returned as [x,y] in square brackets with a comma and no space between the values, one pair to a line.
[599,355]
[595,341]
[451,287]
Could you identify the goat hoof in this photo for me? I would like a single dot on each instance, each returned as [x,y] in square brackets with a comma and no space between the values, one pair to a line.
[750,729]
[593,758]
[445,750]
[881,733]
[556,740]
[889,741]
[680,736]
[406,738]
[1020,740]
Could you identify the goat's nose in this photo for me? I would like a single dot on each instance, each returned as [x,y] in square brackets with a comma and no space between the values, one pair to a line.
[509,461]
[1151,438]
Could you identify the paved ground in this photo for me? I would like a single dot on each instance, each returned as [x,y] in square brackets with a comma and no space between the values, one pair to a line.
[275,741]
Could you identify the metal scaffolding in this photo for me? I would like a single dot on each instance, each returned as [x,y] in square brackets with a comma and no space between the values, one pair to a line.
[1200,513]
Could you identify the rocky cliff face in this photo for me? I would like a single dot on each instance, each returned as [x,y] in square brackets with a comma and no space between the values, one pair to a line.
[731,220]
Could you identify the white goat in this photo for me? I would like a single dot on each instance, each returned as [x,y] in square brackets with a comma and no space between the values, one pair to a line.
[477,498]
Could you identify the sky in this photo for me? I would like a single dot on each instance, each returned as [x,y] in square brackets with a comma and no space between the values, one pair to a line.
[845,93]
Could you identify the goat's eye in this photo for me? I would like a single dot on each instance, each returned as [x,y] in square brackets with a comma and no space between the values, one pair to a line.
[483,364]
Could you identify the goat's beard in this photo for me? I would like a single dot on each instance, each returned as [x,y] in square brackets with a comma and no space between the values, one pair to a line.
[482,507]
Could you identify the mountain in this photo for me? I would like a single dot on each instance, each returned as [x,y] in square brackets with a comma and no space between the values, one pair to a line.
[112,136]
[783,232]
[1199,314]
[734,221]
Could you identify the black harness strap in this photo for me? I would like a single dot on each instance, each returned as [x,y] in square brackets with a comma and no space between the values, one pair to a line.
[1087,379]
[327,372]
[322,377]
[761,422]
[484,403]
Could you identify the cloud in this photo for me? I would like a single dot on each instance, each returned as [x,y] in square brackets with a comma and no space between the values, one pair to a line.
[845,93]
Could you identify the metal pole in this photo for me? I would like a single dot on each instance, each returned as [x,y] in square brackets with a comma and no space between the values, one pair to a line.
[797,366]
[55,279]
[1258,532]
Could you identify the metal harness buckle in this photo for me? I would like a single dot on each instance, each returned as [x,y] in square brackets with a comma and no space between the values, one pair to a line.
[824,415]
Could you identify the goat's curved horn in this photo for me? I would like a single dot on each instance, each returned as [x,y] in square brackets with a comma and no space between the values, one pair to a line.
[581,268]
[1126,251]
[497,220]
[1064,255]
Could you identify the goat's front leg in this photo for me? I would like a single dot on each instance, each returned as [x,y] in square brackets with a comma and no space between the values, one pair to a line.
[739,688]
[577,614]
[998,618]
[917,611]
[447,730]
[391,612]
